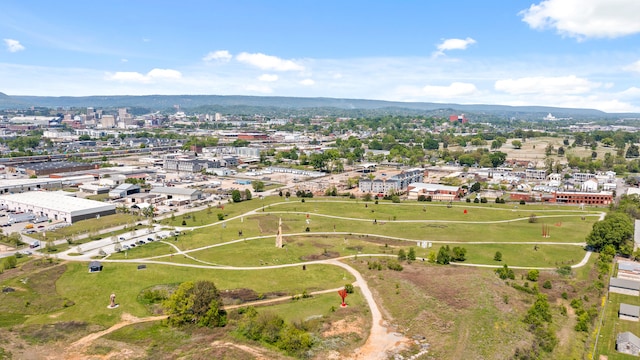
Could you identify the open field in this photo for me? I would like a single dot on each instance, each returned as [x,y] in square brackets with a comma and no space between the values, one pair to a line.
[436,211]
[533,149]
[460,311]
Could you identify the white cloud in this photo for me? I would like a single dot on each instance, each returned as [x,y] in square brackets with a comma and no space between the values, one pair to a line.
[307,82]
[219,55]
[151,76]
[546,85]
[268,62]
[453,44]
[259,89]
[13,45]
[268,77]
[635,67]
[585,18]
[124,60]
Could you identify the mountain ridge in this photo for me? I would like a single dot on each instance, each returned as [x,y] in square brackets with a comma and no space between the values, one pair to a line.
[164,102]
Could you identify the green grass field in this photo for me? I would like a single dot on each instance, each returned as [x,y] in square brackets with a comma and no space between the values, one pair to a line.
[336,227]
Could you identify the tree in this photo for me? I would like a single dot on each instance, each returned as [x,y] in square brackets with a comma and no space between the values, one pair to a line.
[258,186]
[616,229]
[10,262]
[149,211]
[459,254]
[517,144]
[247,194]
[195,303]
[497,256]
[475,187]
[236,196]
[443,257]
[633,151]
[532,275]
[411,256]
[540,312]
[505,273]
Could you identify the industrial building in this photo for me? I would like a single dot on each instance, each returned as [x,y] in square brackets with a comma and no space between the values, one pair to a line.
[178,196]
[13,186]
[51,167]
[56,206]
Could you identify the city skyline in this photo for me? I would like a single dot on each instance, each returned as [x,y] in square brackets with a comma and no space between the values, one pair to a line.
[564,53]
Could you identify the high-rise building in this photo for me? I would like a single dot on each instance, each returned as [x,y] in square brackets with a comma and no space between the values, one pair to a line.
[108,121]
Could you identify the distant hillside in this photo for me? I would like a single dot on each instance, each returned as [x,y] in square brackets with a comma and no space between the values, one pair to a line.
[284,105]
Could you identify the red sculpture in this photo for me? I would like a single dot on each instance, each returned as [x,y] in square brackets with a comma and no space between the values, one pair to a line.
[343,294]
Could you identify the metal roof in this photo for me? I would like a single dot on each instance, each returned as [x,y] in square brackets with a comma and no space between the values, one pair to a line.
[53,201]
[174,191]
[628,337]
[624,283]
[629,310]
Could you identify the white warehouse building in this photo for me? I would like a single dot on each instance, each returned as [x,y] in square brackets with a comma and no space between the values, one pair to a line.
[56,206]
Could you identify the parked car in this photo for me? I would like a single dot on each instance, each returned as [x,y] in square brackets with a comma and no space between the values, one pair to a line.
[141,242]
[149,239]
[126,247]
[133,245]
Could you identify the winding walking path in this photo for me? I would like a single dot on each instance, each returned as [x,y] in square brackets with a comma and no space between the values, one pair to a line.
[380,339]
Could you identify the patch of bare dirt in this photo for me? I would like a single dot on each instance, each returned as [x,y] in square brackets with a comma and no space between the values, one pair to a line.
[344,326]
[241,296]
[460,296]
[323,256]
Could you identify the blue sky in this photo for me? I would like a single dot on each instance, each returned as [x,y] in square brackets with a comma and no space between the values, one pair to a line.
[568,53]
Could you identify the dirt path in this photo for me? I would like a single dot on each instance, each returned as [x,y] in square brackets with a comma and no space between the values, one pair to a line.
[380,339]
[76,349]
[127,319]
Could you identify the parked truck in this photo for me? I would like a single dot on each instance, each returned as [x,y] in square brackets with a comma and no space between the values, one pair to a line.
[18,218]
[40,219]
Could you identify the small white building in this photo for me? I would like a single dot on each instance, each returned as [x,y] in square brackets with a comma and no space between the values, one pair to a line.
[624,286]
[629,312]
[590,185]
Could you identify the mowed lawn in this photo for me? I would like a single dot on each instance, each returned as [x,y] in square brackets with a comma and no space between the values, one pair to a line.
[612,326]
[412,210]
[91,291]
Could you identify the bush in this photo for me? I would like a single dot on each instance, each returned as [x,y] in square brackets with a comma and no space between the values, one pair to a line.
[220,216]
[532,275]
[497,256]
[547,285]
[564,270]
[348,288]
[394,265]
[505,273]
[10,262]
[184,223]
[459,254]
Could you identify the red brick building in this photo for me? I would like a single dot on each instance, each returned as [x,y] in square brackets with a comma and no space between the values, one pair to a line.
[601,198]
